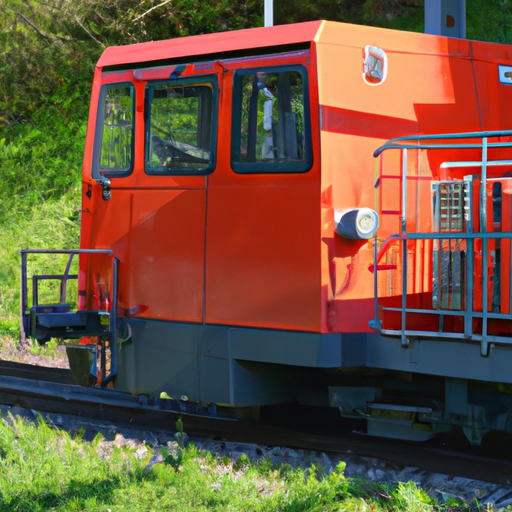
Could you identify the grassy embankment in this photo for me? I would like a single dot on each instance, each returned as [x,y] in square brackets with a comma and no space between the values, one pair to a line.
[40,165]
[43,469]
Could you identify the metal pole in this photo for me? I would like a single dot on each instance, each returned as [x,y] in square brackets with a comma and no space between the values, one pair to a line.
[24,301]
[483,230]
[446,18]
[268,10]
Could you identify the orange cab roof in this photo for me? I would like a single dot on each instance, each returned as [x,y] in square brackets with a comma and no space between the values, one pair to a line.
[218,42]
[283,35]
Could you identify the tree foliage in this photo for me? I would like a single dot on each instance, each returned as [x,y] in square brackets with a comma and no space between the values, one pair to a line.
[489,20]
[48,48]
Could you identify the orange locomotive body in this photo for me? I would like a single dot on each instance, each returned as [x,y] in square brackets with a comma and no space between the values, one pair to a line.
[231,177]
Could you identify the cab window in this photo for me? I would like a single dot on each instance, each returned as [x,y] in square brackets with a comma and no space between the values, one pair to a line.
[115,128]
[271,121]
[180,134]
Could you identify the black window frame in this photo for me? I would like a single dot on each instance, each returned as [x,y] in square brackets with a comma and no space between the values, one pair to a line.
[267,167]
[198,80]
[97,171]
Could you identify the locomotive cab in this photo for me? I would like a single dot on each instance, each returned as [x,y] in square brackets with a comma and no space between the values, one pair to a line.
[240,245]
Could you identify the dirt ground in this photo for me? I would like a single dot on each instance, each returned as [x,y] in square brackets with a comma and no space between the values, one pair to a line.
[51,355]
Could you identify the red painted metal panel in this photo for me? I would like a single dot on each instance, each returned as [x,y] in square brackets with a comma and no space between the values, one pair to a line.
[433,85]
[195,46]
[366,124]
[158,236]
[263,257]
[263,241]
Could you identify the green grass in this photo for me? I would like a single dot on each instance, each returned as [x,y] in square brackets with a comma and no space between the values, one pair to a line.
[53,224]
[43,469]
[40,165]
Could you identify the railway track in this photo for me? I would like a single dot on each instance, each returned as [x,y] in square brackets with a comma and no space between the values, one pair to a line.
[51,390]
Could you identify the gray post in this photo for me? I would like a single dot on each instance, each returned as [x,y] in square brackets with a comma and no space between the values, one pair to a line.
[446,18]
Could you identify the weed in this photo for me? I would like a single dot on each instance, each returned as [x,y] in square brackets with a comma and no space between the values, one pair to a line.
[49,349]
[411,499]
[173,458]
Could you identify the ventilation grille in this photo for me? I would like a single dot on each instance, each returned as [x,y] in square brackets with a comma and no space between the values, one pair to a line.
[450,206]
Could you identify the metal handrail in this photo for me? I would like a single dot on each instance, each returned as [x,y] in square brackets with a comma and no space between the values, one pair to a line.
[395,143]
[64,278]
[404,144]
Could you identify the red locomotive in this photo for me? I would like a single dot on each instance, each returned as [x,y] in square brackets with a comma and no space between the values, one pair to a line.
[241,245]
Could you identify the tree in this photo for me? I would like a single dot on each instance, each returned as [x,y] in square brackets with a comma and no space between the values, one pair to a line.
[48,48]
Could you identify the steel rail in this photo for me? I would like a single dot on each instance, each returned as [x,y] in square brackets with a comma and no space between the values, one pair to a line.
[41,394]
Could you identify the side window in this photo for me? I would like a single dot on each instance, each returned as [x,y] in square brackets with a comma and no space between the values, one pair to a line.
[271,121]
[114,133]
[180,128]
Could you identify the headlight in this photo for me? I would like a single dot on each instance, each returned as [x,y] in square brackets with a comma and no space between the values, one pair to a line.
[356,223]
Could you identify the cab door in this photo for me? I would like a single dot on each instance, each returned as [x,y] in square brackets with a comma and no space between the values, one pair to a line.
[263,245]
[154,147]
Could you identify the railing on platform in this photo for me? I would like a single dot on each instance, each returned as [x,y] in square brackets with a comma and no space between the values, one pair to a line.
[60,319]
[465,255]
